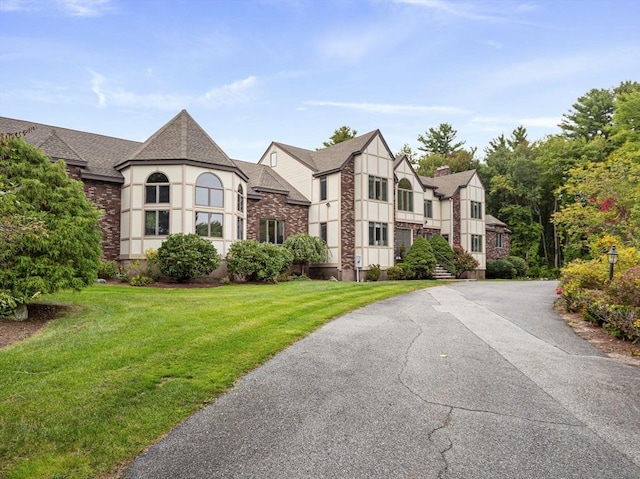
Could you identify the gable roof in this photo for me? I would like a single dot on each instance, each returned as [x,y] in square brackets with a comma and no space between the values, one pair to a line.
[447,185]
[262,178]
[180,139]
[95,154]
[334,157]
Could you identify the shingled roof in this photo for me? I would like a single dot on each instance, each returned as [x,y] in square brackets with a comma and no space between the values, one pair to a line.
[334,157]
[447,185]
[96,154]
[263,179]
[181,139]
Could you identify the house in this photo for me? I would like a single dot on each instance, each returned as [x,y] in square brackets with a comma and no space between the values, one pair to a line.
[368,205]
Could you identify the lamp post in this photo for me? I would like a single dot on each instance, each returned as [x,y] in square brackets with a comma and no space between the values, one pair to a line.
[612,256]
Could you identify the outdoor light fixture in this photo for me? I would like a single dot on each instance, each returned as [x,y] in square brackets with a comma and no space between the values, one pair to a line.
[612,256]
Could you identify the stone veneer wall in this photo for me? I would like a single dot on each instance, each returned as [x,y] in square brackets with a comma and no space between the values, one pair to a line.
[273,206]
[106,196]
[493,252]
[347,219]
[457,238]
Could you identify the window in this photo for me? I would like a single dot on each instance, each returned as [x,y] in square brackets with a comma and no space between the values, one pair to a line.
[209,191]
[428,208]
[240,229]
[323,188]
[476,243]
[240,199]
[209,224]
[405,195]
[273,159]
[378,234]
[323,232]
[403,241]
[428,236]
[272,231]
[377,188]
[157,189]
[498,240]
[476,210]
[156,223]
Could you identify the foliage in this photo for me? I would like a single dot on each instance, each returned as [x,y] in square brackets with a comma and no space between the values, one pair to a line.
[501,269]
[440,140]
[185,256]
[463,261]
[421,258]
[411,155]
[591,115]
[125,365]
[341,134]
[141,280]
[520,265]
[107,269]
[625,288]
[49,232]
[306,249]
[373,273]
[395,273]
[250,260]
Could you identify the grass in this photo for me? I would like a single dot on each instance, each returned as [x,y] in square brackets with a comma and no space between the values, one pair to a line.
[90,391]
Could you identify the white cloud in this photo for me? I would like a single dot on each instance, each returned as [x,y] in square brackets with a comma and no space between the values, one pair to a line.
[97,83]
[231,94]
[389,108]
[502,122]
[457,9]
[74,8]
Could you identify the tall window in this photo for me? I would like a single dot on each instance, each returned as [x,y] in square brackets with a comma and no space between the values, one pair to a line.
[209,224]
[272,231]
[405,195]
[378,234]
[428,208]
[240,199]
[377,188]
[476,243]
[157,189]
[323,232]
[498,240]
[240,229]
[273,159]
[476,210]
[156,223]
[209,191]
[323,188]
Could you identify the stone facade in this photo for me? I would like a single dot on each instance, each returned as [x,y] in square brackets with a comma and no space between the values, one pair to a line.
[347,219]
[273,206]
[493,251]
[457,236]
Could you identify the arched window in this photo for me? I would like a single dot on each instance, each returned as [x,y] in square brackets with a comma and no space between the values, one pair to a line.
[405,195]
[240,199]
[157,188]
[209,191]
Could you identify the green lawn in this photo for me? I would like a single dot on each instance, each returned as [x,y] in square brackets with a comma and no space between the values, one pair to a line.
[92,389]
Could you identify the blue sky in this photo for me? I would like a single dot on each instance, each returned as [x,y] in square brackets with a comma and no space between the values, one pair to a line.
[255,71]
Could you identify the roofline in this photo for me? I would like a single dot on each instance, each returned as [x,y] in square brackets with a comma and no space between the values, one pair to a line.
[85,175]
[80,163]
[291,154]
[183,161]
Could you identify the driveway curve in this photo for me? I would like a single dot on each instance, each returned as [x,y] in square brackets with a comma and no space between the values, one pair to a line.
[469,380]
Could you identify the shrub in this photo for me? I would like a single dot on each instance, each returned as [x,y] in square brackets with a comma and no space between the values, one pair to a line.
[306,249]
[107,270]
[520,265]
[501,269]
[250,260]
[185,256]
[463,261]
[141,280]
[395,272]
[625,288]
[373,273]
[421,259]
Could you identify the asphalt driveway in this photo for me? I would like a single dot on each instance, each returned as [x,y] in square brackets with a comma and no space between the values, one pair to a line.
[471,380]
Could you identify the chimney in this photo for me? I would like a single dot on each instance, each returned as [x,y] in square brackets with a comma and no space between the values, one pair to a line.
[442,171]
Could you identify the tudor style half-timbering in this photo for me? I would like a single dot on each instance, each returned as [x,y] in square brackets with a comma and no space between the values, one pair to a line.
[367,205]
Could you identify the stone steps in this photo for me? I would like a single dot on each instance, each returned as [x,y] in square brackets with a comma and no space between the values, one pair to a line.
[441,273]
